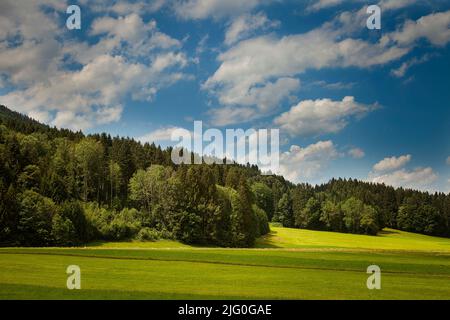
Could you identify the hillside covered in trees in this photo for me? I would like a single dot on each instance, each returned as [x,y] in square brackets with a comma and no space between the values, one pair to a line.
[59,187]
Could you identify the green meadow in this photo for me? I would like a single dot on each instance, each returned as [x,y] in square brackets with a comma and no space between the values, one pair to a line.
[286,264]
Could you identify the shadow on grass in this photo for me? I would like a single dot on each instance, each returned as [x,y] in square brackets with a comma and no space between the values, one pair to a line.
[173,244]
[34,292]
[387,232]
[268,241]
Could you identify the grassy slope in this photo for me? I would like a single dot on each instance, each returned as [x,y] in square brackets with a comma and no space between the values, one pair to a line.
[388,239]
[305,265]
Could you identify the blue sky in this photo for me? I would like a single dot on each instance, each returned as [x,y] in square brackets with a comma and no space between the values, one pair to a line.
[349,102]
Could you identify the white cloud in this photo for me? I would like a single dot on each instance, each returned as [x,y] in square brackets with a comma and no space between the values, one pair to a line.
[315,117]
[130,36]
[92,93]
[393,163]
[40,115]
[307,164]
[357,153]
[124,7]
[405,66]
[230,115]
[317,5]
[448,160]
[434,27]
[202,45]
[131,59]
[420,178]
[30,61]
[167,60]
[334,85]
[254,63]
[396,4]
[201,9]
[261,60]
[323,4]
[160,135]
[256,60]
[34,53]
[265,98]
[27,19]
[244,25]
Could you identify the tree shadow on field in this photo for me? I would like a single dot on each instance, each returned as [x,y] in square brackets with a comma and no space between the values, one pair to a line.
[387,232]
[267,241]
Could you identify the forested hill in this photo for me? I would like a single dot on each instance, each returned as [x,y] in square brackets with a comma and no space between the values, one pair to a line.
[24,124]
[60,187]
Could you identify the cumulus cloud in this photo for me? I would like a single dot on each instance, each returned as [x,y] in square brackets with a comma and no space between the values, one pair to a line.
[257,102]
[391,171]
[230,115]
[124,7]
[323,4]
[306,164]
[317,5]
[129,35]
[261,60]
[316,117]
[396,4]
[201,9]
[28,49]
[160,135]
[244,25]
[127,58]
[357,153]
[91,95]
[28,19]
[393,163]
[420,178]
[256,62]
[30,61]
[434,27]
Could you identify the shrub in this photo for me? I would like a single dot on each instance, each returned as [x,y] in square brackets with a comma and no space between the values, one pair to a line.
[63,231]
[262,221]
[166,234]
[110,225]
[277,224]
[148,234]
[35,219]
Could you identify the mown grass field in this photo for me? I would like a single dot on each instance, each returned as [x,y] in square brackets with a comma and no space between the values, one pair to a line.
[287,264]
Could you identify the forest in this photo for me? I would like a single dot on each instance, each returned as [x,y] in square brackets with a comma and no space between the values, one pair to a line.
[64,188]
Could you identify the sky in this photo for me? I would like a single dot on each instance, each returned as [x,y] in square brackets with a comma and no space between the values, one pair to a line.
[349,102]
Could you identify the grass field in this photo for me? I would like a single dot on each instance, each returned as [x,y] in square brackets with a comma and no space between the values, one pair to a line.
[287,264]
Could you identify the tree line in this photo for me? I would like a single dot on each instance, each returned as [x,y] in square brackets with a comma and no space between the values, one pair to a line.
[354,206]
[60,187]
[63,188]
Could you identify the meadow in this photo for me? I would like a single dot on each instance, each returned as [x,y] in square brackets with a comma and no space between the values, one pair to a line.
[286,264]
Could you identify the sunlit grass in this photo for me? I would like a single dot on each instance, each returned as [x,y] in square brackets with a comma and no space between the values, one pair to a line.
[289,264]
[388,239]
